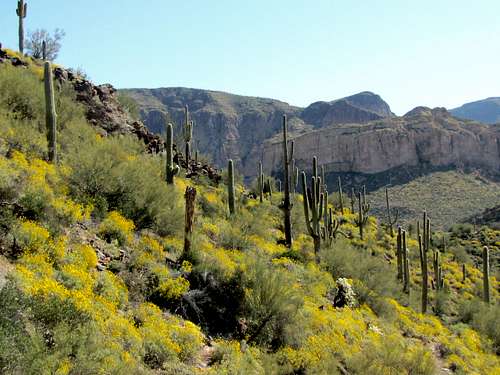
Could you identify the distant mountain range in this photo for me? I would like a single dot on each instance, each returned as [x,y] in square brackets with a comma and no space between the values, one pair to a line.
[486,111]
[234,126]
[356,135]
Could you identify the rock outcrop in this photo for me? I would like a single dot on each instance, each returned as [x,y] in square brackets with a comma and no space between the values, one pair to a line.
[233,126]
[105,113]
[424,138]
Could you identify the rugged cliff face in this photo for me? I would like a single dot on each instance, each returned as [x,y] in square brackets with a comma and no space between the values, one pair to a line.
[233,126]
[423,140]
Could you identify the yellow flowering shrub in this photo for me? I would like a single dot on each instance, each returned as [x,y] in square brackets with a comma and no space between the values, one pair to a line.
[116,227]
[31,237]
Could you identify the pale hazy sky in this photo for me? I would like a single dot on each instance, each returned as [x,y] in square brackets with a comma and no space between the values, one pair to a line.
[420,52]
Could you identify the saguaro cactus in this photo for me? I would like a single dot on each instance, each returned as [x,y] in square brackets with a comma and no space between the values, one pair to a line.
[353,200]
[50,113]
[189,196]
[341,198]
[230,186]
[44,50]
[171,168]
[331,225]
[486,274]
[399,253]
[260,183]
[295,176]
[313,206]
[390,220]
[188,133]
[423,268]
[363,209]
[21,11]
[286,205]
[406,262]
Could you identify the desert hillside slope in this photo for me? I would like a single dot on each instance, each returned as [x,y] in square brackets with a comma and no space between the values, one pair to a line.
[116,259]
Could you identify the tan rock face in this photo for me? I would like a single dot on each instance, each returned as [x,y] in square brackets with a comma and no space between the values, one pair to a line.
[424,137]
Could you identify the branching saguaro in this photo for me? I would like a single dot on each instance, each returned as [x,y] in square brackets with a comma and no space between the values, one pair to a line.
[171,168]
[286,205]
[363,209]
[391,219]
[189,196]
[50,113]
[21,11]
[313,206]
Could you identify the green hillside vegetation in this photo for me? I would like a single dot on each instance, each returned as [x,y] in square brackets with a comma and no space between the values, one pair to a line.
[449,197]
[102,282]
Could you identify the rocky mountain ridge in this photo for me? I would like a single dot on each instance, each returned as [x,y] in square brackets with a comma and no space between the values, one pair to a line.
[423,140]
[356,136]
[234,126]
[486,110]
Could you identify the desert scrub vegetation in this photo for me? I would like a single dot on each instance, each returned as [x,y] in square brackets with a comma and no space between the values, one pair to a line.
[101,284]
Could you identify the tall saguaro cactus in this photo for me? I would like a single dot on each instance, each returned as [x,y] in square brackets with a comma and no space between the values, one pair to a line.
[363,209]
[286,206]
[260,183]
[486,274]
[390,220]
[295,176]
[313,206]
[230,186]
[50,113]
[341,198]
[406,263]
[189,196]
[188,133]
[423,268]
[399,254]
[21,11]
[171,168]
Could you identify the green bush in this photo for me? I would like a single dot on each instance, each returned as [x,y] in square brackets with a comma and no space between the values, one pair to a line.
[271,303]
[482,317]
[393,355]
[113,174]
[374,277]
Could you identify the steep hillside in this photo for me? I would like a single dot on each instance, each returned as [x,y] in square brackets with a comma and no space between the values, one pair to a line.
[233,126]
[105,268]
[486,111]
[449,197]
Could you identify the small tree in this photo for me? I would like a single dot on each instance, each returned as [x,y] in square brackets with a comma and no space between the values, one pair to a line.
[35,43]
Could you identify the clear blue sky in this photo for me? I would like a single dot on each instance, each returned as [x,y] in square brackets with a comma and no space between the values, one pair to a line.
[433,53]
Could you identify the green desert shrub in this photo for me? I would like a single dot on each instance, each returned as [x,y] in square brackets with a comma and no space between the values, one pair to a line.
[271,304]
[374,278]
[483,318]
[393,355]
[113,174]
